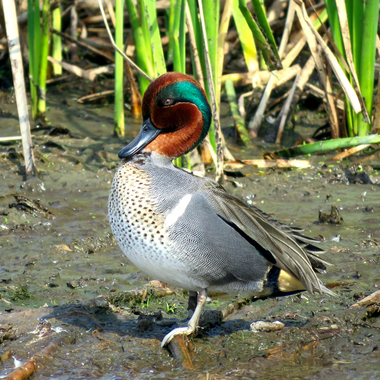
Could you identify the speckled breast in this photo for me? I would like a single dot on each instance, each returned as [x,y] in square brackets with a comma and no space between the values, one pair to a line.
[135,222]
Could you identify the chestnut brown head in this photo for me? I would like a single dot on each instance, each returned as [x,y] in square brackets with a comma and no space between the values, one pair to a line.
[176,116]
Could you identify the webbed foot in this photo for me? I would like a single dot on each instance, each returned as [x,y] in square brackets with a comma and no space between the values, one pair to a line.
[193,323]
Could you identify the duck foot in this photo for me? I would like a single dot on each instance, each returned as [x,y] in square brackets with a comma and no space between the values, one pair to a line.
[193,323]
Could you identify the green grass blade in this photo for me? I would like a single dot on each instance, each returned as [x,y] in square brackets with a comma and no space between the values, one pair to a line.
[45,39]
[142,52]
[182,37]
[34,34]
[155,36]
[198,36]
[223,30]
[211,15]
[146,35]
[246,38]
[332,13]
[169,29]
[264,26]
[239,122]
[119,124]
[270,55]
[56,48]
[323,146]
[177,37]
[367,60]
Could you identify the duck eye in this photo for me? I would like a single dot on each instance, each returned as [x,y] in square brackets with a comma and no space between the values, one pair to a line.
[168,101]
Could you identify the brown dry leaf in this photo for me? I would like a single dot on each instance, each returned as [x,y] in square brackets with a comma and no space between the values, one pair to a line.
[64,247]
[262,163]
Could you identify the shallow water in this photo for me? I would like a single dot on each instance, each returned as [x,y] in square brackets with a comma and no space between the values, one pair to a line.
[63,277]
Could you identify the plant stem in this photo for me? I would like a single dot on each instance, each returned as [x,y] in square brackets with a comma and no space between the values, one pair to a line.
[119,125]
[56,50]
[45,39]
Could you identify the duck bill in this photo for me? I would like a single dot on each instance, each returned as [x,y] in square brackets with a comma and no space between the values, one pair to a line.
[148,133]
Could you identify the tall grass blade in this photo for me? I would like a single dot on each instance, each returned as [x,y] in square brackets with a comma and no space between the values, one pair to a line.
[177,37]
[155,37]
[239,122]
[367,60]
[223,30]
[34,38]
[119,124]
[326,145]
[142,58]
[45,39]
[246,38]
[56,40]
[271,56]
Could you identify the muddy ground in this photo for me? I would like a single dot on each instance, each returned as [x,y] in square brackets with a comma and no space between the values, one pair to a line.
[63,279]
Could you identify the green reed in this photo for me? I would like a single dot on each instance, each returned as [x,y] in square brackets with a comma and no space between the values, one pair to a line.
[362,17]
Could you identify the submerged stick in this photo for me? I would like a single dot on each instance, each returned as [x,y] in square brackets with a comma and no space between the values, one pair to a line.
[179,348]
[27,369]
[19,84]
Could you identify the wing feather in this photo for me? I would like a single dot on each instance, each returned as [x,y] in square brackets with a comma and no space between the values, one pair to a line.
[292,251]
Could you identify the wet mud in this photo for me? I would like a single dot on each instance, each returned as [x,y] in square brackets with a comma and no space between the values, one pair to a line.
[64,280]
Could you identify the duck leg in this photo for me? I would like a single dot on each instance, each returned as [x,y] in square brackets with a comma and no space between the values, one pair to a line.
[192,303]
[193,323]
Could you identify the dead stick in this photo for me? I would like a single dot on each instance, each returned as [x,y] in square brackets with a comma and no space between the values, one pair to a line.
[19,84]
[26,370]
[300,85]
[179,348]
[83,45]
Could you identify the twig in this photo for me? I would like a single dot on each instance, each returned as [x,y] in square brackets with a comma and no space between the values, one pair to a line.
[350,152]
[95,96]
[316,53]
[111,12]
[19,84]
[83,45]
[375,297]
[263,163]
[287,29]
[86,74]
[10,138]
[73,31]
[179,347]
[292,100]
[117,49]
[282,76]
[317,92]
[28,369]
[255,123]
[285,111]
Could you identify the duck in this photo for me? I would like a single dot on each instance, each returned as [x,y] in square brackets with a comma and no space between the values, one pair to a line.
[186,230]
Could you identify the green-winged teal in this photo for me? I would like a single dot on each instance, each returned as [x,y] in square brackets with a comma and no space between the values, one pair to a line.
[188,231]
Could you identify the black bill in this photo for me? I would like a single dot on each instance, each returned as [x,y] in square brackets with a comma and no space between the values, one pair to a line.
[148,133]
